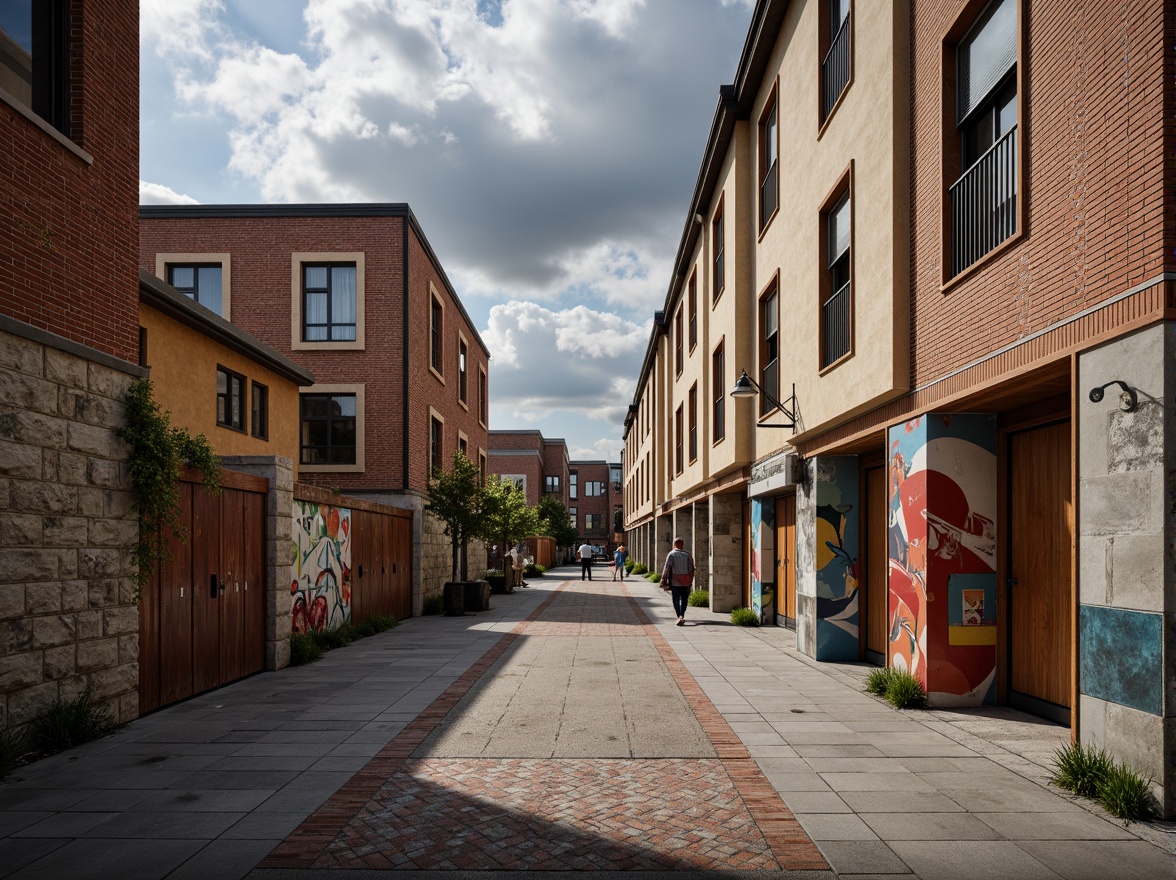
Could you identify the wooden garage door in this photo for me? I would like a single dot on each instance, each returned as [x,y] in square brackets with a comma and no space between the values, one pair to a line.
[1040,537]
[382,564]
[202,614]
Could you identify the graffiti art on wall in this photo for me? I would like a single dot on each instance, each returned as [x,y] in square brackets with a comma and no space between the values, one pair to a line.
[942,530]
[321,566]
[836,558]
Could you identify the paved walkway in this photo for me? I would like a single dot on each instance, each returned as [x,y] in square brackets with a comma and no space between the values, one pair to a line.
[572,727]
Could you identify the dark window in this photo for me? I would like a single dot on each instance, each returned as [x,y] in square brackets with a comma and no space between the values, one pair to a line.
[435,322]
[35,57]
[259,422]
[328,429]
[693,423]
[201,282]
[768,149]
[462,445]
[718,245]
[573,520]
[230,399]
[718,416]
[483,408]
[573,485]
[836,310]
[678,439]
[461,371]
[593,522]
[678,342]
[837,64]
[328,302]
[693,304]
[551,484]
[142,346]
[984,198]
[769,351]
[435,428]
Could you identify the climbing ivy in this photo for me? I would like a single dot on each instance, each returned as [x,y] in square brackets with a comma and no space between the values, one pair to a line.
[158,451]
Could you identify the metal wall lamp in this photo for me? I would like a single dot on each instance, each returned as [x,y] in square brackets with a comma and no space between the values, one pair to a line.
[745,386]
[1127,399]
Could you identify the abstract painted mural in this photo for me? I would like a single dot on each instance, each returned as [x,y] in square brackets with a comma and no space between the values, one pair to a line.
[320,567]
[836,564]
[942,555]
[758,509]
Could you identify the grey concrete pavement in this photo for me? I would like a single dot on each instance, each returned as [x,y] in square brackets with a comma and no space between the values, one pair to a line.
[209,787]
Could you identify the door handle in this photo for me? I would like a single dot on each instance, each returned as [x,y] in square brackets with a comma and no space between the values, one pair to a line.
[360,570]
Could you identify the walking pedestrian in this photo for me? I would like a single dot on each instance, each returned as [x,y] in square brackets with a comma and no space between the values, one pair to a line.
[619,557]
[678,578]
[585,561]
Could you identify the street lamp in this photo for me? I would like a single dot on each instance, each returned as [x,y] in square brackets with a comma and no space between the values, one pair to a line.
[745,386]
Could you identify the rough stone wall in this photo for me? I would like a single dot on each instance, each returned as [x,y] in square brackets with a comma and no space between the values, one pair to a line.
[726,551]
[436,557]
[68,619]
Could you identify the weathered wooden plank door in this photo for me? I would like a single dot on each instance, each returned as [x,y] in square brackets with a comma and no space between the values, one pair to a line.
[399,565]
[786,559]
[1041,522]
[232,569]
[206,574]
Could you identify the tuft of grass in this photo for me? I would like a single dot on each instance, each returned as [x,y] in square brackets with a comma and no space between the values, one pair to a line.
[744,617]
[630,565]
[433,605]
[904,691]
[878,680]
[381,622]
[1127,795]
[14,746]
[1081,770]
[639,568]
[534,570]
[699,599]
[304,649]
[654,577]
[69,723]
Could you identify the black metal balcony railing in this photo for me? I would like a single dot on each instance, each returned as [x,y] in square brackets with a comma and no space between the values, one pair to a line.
[835,69]
[769,382]
[984,203]
[835,317]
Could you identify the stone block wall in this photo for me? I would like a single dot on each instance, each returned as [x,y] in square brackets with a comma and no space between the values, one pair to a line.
[726,551]
[68,619]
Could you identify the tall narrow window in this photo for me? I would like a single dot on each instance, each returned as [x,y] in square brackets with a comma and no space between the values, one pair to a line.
[483,403]
[678,361]
[573,485]
[836,67]
[259,411]
[202,283]
[461,370]
[718,248]
[35,57]
[769,345]
[718,415]
[836,310]
[574,517]
[984,198]
[679,464]
[435,435]
[692,302]
[693,398]
[436,316]
[230,399]
[769,146]
[328,302]
[328,429]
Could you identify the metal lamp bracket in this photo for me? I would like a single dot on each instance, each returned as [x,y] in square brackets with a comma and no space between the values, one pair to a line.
[1127,399]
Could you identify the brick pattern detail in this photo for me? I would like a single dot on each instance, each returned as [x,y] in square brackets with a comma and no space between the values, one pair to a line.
[408,811]
[67,525]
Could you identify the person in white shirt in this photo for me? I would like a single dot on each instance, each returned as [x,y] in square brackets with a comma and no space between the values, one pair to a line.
[678,578]
[585,561]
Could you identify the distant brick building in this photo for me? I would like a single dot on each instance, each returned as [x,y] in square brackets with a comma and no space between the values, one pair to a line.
[69,300]
[355,294]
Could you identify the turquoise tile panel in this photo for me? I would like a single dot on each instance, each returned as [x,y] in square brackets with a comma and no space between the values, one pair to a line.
[1121,657]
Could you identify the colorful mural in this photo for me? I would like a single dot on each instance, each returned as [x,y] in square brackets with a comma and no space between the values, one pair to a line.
[942,542]
[320,568]
[757,552]
[836,564]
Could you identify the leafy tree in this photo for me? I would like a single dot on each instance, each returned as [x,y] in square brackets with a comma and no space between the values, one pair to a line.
[506,518]
[554,522]
[458,499]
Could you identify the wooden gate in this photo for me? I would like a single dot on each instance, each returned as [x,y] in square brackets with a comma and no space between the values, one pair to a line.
[786,559]
[202,614]
[875,569]
[1041,527]
[381,559]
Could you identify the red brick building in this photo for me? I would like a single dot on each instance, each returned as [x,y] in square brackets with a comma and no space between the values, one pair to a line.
[355,294]
[595,494]
[538,464]
[69,301]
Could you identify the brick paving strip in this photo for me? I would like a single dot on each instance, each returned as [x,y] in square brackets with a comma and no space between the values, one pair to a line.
[424,803]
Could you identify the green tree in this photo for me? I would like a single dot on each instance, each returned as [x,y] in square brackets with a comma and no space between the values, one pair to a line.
[458,499]
[554,521]
[506,518]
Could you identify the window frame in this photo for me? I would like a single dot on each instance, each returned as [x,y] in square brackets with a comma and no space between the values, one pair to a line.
[436,334]
[842,190]
[232,377]
[768,144]
[552,484]
[298,259]
[261,432]
[692,309]
[951,148]
[679,463]
[164,263]
[719,252]
[357,390]
[692,423]
[483,402]
[463,370]
[719,405]
[767,344]
[825,36]
[573,485]
[51,76]
[436,442]
[679,358]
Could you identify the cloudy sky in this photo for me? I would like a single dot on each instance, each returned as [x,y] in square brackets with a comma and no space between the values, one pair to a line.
[549,149]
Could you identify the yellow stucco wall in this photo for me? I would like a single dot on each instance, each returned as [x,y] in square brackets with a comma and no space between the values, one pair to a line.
[183,366]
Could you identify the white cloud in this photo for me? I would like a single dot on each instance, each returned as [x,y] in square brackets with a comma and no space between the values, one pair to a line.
[158,194]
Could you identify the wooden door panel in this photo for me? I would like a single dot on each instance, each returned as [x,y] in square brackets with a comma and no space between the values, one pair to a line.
[232,599]
[175,609]
[877,564]
[1040,536]
[206,576]
[361,540]
[254,582]
[400,567]
[786,556]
